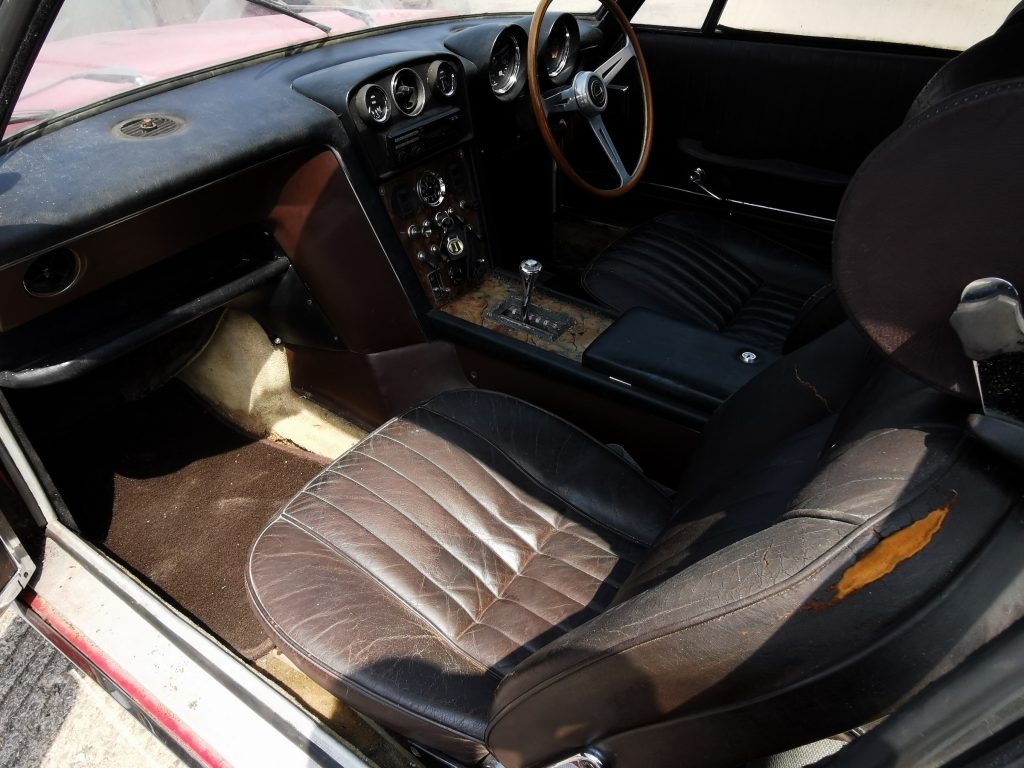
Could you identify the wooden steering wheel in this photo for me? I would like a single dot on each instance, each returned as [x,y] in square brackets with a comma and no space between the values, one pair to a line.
[587,94]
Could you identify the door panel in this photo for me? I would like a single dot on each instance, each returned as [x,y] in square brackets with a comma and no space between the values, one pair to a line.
[773,122]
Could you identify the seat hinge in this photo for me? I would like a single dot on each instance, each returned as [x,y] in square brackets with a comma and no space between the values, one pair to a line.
[990,325]
[586,759]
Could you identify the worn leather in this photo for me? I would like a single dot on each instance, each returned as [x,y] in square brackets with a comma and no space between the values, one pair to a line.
[415,573]
[730,639]
[480,576]
[705,270]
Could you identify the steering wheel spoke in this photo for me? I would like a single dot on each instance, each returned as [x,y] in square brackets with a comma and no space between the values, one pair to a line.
[616,62]
[561,100]
[605,140]
[587,95]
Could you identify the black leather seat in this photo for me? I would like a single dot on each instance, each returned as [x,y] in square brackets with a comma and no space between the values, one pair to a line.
[706,270]
[480,576]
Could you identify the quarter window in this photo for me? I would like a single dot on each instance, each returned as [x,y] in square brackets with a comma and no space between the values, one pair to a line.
[948,24]
[685,14]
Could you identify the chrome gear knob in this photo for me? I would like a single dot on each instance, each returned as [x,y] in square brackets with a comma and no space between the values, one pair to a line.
[529,271]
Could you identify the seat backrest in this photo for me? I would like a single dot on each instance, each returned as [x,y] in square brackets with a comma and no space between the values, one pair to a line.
[801,590]
[998,57]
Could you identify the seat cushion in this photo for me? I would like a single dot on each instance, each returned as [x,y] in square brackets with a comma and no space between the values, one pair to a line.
[418,569]
[705,270]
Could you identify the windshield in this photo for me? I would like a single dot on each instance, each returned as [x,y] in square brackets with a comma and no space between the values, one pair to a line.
[100,48]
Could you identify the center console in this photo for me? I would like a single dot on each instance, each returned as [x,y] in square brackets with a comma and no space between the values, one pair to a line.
[434,208]
[409,114]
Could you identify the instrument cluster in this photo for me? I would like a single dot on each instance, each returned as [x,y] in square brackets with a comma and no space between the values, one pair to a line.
[407,92]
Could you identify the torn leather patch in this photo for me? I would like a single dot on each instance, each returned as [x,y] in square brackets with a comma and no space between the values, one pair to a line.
[888,553]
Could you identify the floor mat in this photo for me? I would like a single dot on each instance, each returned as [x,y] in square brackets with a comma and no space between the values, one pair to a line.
[179,497]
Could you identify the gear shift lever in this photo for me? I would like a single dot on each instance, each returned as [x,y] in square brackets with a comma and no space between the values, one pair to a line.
[529,271]
[518,312]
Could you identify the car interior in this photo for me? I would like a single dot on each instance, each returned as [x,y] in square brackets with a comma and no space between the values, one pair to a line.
[516,390]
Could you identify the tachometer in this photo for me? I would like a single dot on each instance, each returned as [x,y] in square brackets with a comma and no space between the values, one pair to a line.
[506,64]
[559,48]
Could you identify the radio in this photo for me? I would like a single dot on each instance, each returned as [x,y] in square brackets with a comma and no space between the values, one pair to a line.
[409,144]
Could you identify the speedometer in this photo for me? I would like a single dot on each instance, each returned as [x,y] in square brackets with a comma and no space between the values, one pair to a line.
[506,64]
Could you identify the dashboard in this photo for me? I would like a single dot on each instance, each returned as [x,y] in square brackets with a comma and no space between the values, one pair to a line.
[400,110]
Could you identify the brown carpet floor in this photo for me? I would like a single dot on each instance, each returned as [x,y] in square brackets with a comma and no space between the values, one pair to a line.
[179,497]
[190,496]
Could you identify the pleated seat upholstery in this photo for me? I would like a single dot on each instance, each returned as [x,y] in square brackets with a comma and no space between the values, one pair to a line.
[706,270]
[463,546]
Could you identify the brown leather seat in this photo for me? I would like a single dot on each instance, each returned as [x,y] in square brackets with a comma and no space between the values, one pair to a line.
[478,575]
[482,577]
[421,567]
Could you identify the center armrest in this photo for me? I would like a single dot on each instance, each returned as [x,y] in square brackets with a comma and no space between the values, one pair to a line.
[650,351]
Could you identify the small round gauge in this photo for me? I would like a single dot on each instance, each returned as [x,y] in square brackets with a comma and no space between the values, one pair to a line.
[375,101]
[559,48]
[372,104]
[506,64]
[430,188]
[443,77]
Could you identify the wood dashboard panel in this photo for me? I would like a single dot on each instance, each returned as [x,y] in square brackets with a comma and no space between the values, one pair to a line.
[496,287]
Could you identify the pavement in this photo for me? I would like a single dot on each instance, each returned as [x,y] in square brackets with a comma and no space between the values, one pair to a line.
[53,716]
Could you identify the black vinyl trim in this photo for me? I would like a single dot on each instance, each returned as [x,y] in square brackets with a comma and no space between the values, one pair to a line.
[714,15]
[559,368]
[24,25]
[961,718]
[94,358]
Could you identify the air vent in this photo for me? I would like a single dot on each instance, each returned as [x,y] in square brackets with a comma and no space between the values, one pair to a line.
[407,90]
[52,273]
[150,126]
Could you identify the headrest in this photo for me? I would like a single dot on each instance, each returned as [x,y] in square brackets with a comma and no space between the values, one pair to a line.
[939,204]
[998,57]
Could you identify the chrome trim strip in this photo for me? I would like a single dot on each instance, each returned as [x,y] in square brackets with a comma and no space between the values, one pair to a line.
[13,549]
[730,201]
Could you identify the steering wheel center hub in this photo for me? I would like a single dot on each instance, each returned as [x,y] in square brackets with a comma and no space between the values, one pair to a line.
[591,93]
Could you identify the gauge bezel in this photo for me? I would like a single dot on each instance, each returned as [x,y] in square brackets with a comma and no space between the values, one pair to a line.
[517,81]
[564,24]
[434,78]
[421,92]
[365,96]
[442,187]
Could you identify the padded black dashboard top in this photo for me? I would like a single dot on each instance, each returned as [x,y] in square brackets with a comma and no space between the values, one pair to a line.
[61,184]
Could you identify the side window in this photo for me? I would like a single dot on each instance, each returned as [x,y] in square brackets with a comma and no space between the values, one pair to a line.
[685,14]
[950,24]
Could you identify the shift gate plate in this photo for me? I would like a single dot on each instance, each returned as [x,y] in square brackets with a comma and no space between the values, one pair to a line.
[542,322]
